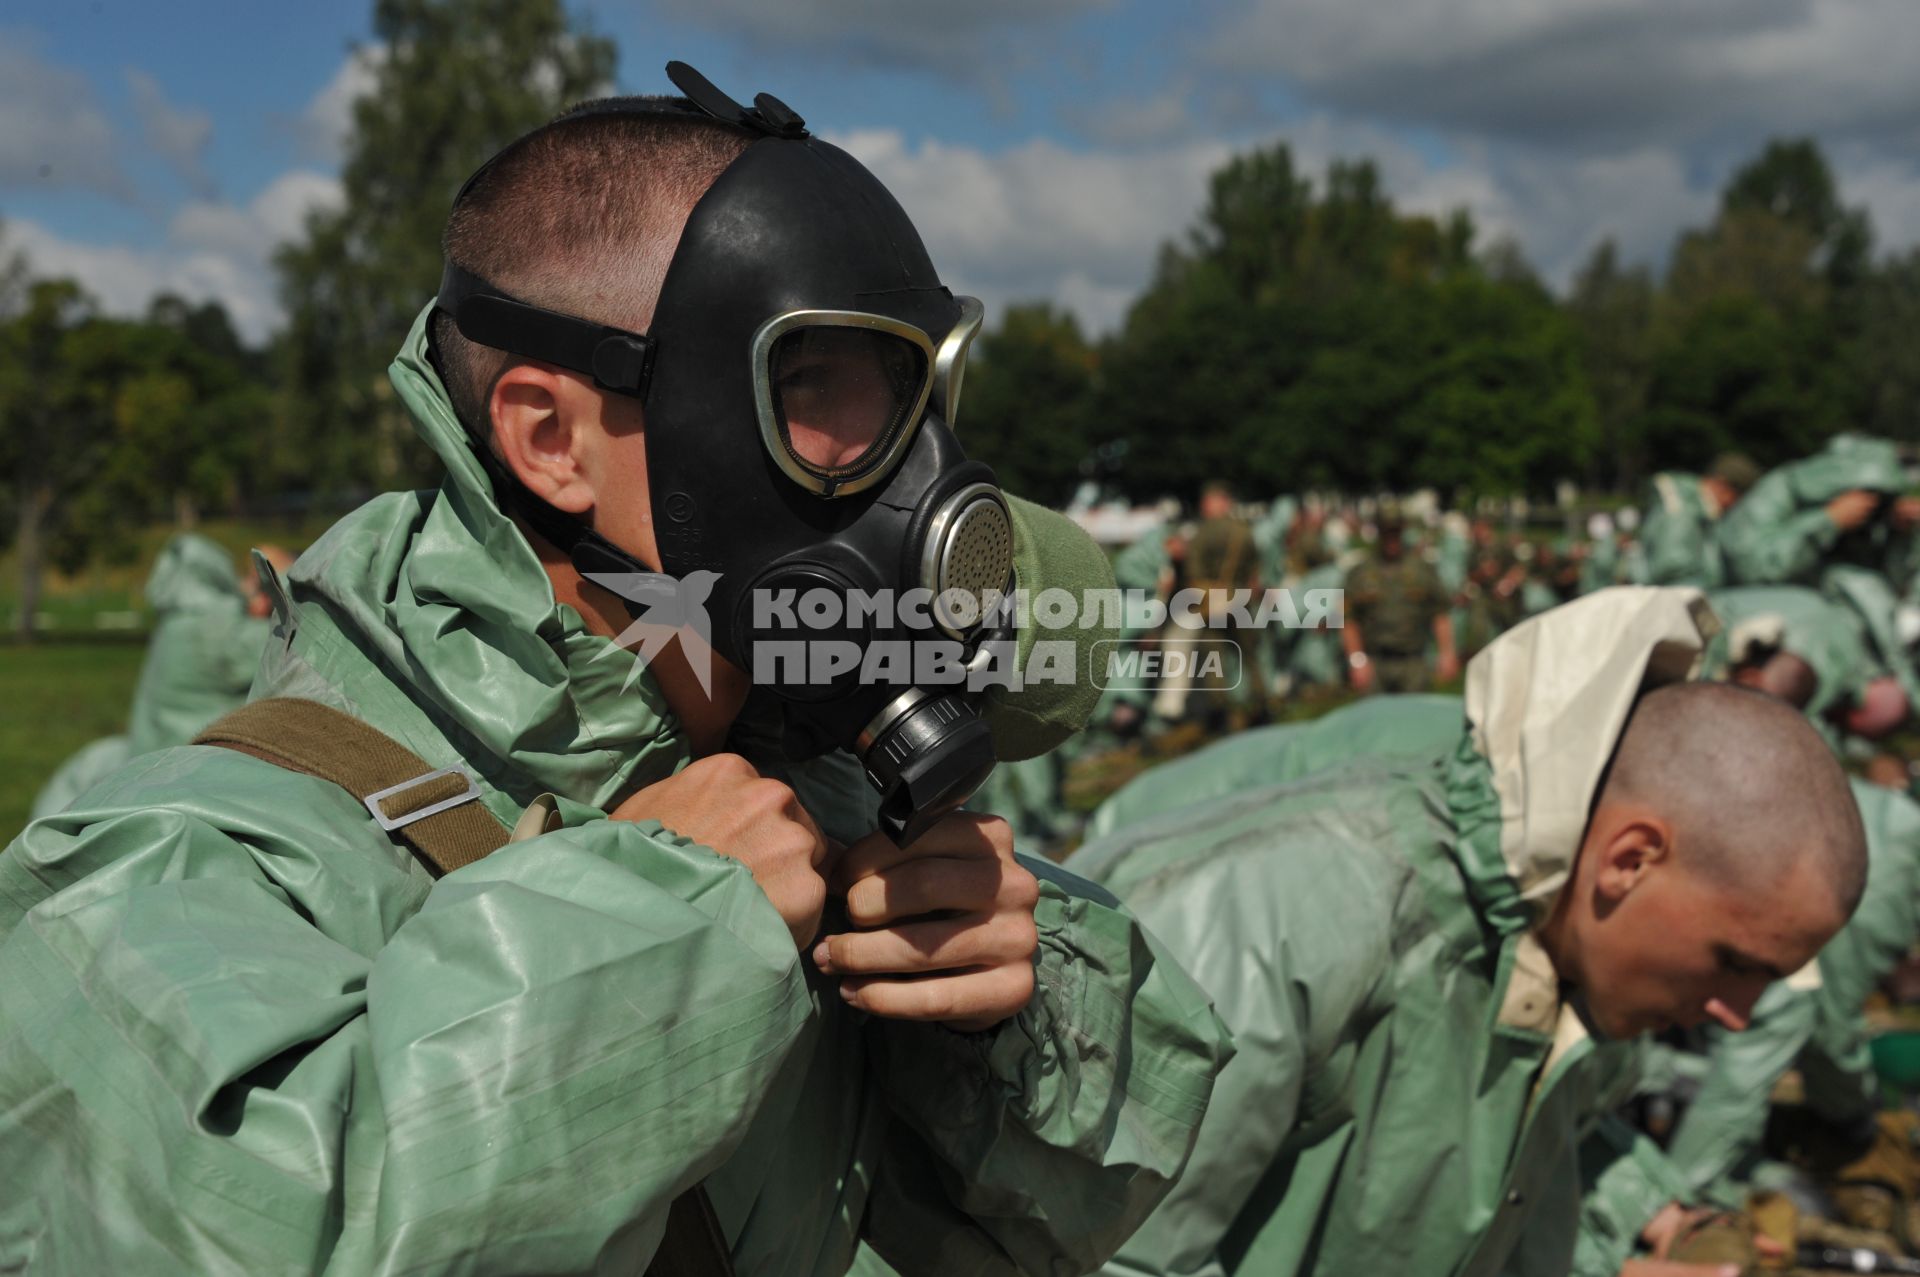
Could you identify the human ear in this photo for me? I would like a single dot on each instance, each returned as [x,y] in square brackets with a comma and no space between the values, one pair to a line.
[539,427]
[1629,848]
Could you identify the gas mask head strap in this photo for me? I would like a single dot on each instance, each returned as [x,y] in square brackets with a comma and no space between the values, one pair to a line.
[618,361]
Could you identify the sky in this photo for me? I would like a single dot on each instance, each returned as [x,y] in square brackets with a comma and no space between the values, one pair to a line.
[1045,148]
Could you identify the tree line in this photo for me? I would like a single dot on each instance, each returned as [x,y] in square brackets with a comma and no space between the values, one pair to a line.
[1311,336]
[1301,334]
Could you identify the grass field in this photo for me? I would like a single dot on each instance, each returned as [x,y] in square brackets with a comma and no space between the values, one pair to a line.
[57,697]
[105,598]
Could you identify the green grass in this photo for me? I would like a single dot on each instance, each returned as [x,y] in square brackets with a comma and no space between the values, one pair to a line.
[105,597]
[58,696]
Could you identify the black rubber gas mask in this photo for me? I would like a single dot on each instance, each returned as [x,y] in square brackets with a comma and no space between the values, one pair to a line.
[800,380]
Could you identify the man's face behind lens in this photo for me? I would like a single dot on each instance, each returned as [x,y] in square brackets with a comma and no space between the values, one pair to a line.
[841,391]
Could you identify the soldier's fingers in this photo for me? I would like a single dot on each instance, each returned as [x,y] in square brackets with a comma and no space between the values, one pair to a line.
[870,855]
[968,1001]
[963,835]
[923,886]
[916,947]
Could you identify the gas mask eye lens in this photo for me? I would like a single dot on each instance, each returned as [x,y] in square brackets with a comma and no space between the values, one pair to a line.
[840,395]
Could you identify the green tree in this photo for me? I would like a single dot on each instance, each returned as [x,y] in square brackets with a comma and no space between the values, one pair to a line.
[454,80]
[187,427]
[50,437]
[1791,183]
[1028,402]
[1612,310]
[1758,311]
[1883,359]
[1741,374]
[1304,339]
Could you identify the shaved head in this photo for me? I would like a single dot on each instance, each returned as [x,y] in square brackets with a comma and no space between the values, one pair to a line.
[1723,850]
[1749,786]
[582,219]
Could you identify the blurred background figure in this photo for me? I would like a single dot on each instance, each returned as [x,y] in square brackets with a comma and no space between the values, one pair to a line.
[1683,512]
[210,624]
[1397,612]
[1222,561]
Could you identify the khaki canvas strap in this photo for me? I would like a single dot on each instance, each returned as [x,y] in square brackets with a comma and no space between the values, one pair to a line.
[436,811]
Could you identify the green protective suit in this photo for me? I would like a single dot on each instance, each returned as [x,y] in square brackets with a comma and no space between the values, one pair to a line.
[1602,566]
[1817,1024]
[1136,571]
[1379,726]
[77,774]
[1792,618]
[1677,527]
[1454,552]
[243,1031]
[1410,1094]
[1314,657]
[1270,536]
[1868,595]
[1780,532]
[205,648]
[200,661]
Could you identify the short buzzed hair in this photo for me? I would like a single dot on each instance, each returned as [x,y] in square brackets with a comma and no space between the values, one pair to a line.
[1748,784]
[582,219]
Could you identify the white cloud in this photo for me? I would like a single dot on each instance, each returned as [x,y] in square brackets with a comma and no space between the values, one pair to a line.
[177,136]
[322,127]
[214,252]
[54,135]
[1082,226]
[1043,221]
[1605,73]
[968,41]
[1889,186]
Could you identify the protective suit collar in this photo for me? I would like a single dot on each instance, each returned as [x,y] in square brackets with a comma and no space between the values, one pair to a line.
[434,609]
[1545,705]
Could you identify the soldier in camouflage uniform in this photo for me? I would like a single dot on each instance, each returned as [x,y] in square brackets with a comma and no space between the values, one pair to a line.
[1493,593]
[1221,559]
[1395,603]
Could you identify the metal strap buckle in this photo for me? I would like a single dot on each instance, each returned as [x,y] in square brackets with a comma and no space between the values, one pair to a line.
[391,823]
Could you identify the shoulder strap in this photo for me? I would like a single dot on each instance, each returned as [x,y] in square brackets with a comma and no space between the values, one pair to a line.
[436,813]
[434,810]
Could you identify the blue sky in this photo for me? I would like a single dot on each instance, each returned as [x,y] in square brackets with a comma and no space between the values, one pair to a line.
[1046,146]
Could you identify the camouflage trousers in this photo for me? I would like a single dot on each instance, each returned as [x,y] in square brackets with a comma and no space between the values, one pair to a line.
[1400,673]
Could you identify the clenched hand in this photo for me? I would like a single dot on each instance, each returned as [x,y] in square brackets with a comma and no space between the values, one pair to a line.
[722,802]
[946,927]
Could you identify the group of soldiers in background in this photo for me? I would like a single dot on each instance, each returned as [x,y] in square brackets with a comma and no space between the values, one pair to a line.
[1828,538]
[1824,545]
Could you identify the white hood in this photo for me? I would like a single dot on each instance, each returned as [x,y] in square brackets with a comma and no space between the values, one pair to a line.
[1547,701]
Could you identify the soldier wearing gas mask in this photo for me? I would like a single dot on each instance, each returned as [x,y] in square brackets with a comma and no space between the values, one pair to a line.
[267,1006]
